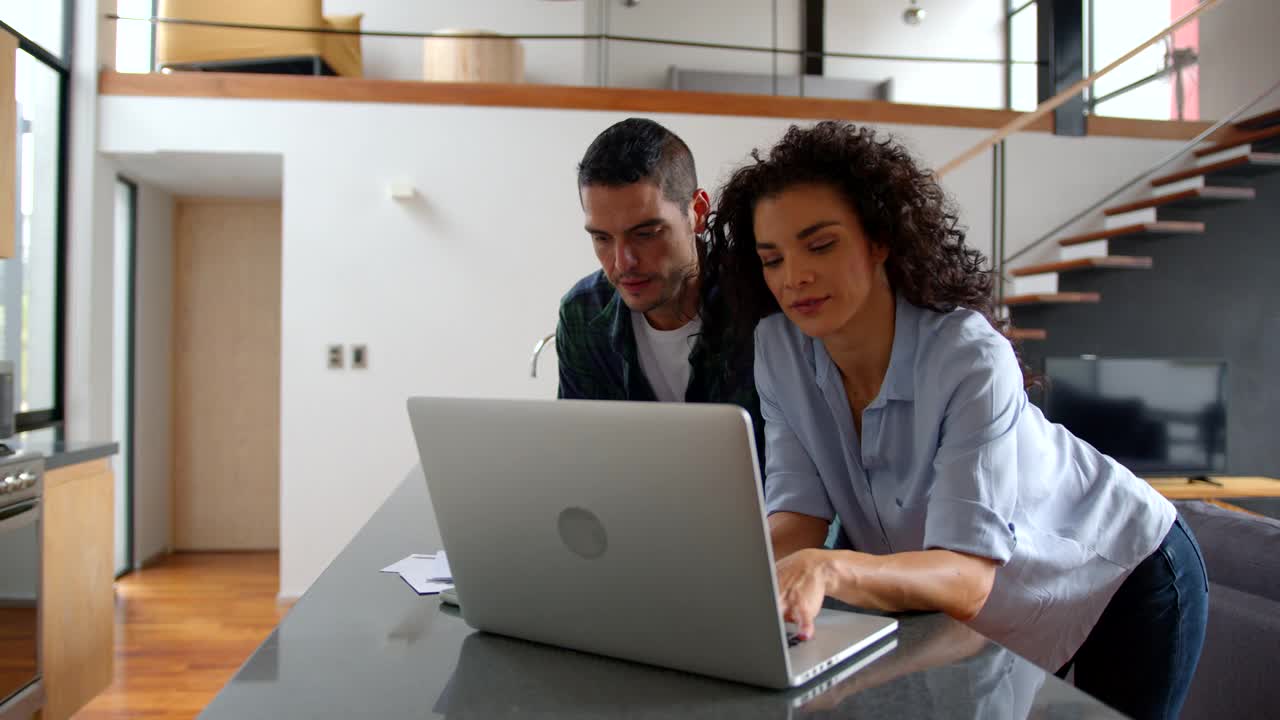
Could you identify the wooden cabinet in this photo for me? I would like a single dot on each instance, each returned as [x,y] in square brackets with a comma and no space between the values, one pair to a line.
[8,144]
[76,592]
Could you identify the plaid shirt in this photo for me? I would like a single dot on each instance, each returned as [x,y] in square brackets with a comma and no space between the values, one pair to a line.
[596,348]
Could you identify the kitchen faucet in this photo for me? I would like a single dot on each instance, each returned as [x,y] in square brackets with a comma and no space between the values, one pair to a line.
[537,350]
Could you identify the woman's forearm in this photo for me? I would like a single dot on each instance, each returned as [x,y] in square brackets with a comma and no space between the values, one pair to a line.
[942,580]
[791,532]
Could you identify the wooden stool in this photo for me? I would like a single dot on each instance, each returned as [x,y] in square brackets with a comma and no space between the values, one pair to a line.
[467,59]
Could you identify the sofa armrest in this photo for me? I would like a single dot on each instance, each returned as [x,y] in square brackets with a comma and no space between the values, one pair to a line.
[1239,548]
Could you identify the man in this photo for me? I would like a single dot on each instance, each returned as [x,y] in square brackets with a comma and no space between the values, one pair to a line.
[631,330]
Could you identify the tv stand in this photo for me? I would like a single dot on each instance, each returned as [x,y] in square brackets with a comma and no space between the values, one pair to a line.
[1201,487]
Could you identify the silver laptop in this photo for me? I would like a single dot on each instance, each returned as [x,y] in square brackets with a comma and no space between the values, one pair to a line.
[634,530]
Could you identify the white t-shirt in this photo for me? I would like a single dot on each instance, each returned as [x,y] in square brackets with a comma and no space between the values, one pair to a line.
[664,356]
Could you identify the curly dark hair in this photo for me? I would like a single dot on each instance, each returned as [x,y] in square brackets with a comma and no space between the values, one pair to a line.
[900,205]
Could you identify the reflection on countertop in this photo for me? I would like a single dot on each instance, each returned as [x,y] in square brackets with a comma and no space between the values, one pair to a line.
[60,451]
[359,643]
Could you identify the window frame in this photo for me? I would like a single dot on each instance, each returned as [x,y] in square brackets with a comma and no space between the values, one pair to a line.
[46,417]
[1013,8]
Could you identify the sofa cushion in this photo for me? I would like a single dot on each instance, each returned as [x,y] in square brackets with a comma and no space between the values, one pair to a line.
[1239,548]
[1236,676]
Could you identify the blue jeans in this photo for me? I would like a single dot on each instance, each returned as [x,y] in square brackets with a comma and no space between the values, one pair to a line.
[1141,655]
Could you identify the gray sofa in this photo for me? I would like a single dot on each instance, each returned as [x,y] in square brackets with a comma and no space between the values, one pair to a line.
[1237,676]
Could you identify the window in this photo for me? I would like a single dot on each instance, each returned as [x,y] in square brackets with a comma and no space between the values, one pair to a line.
[1161,82]
[31,281]
[43,22]
[122,364]
[135,39]
[1023,46]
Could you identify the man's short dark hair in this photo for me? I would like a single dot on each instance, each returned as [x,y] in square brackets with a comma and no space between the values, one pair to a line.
[637,149]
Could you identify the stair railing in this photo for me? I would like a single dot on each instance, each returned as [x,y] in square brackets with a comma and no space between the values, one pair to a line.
[1180,152]
[1076,88]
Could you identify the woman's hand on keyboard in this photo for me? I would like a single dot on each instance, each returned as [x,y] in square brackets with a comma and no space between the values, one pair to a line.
[803,577]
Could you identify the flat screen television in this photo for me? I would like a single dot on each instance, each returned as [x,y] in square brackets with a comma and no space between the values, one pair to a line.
[1156,416]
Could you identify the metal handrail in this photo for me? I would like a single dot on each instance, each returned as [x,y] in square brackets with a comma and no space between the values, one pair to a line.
[592,37]
[1182,150]
[1178,62]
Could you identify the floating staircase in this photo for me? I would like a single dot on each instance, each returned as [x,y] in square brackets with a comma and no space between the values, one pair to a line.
[1219,175]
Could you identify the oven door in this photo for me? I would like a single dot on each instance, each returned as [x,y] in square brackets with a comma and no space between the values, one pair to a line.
[19,597]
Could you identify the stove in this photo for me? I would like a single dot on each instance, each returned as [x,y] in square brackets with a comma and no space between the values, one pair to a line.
[21,488]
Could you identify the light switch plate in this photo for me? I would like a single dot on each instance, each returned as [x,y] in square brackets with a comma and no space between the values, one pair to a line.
[335,357]
[359,356]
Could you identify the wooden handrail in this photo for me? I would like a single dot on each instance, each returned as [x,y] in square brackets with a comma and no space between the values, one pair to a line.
[1052,103]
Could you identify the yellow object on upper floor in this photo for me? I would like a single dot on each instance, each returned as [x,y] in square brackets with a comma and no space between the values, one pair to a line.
[180,46]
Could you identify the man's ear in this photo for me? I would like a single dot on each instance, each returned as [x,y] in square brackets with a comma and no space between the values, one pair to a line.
[699,208]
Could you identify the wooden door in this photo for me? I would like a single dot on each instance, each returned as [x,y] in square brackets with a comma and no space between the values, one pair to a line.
[226,375]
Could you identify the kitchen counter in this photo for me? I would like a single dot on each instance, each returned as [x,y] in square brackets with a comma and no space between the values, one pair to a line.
[58,451]
[360,643]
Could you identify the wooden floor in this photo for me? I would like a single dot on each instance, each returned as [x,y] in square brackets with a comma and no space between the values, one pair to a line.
[183,627]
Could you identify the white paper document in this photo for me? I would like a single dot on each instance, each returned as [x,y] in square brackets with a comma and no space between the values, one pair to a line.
[426,574]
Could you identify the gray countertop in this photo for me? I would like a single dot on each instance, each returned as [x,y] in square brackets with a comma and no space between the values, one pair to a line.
[58,451]
[360,643]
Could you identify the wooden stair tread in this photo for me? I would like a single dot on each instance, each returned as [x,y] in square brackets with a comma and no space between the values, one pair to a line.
[1261,159]
[1026,334]
[1164,227]
[1260,121]
[1247,138]
[1205,193]
[1118,262]
[1055,298]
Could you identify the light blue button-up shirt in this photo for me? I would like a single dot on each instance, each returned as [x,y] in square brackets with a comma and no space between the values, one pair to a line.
[953,455]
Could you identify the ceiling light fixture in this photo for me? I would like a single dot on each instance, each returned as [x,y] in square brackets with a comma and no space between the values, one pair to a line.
[914,15]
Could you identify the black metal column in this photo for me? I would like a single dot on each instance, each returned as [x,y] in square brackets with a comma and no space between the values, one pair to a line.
[1060,36]
[814,28]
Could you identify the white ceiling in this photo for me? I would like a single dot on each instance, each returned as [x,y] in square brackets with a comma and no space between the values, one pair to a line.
[232,175]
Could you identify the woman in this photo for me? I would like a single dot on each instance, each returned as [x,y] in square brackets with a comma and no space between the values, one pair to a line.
[892,402]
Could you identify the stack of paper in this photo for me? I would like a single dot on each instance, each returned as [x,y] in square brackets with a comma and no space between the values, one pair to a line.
[426,574]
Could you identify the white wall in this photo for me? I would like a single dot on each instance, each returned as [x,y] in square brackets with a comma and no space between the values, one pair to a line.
[959,28]
[1239,56]
[556,62]
[1050,178]
[731,22]
[153,358]
[956,28]
[450,292]
[1120,27]
[577,62]
[1238,53]
[90,213]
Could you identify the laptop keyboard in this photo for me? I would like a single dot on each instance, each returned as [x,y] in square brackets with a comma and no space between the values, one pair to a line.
[793,633]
